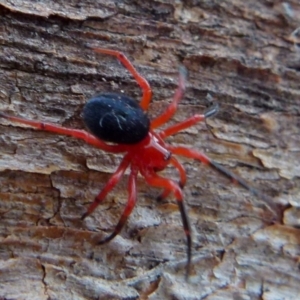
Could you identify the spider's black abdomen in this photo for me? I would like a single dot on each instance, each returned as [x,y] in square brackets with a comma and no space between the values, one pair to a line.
[116,118]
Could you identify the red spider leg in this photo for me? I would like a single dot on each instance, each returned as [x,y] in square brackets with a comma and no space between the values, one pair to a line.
[79,134]
[128,208]
[182,181]
[189,122]
[234,178]
[109,185]
[171,109]
[157,181]
[143,83]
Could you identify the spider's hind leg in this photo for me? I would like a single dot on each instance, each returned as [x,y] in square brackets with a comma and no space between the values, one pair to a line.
[76,133]
[143,83]
[171,109]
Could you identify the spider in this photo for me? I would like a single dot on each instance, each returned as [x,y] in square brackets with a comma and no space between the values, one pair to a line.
[124,124]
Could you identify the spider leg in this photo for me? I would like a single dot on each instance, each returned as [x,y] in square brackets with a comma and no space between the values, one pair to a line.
[76,133]
[143,83]
[213,110]
[109,186]
[171,109]
[128,209]
[157,181]
[182,180]
[234,177]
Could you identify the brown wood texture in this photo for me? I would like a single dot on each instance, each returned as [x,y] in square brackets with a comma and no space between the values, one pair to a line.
[246,55]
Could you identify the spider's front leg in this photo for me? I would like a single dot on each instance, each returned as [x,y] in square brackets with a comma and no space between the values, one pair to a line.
[153,179]
[212,111]
[182,180]
[233,177]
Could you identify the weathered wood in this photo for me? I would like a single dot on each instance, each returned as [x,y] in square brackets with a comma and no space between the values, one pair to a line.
[246,55]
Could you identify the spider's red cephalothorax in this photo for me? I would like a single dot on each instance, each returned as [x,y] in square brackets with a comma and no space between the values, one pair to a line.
[119,119]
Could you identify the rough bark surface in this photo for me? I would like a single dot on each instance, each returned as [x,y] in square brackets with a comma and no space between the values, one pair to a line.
[246,55]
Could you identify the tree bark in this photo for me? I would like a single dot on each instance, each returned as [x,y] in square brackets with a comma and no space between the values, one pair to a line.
[245,55]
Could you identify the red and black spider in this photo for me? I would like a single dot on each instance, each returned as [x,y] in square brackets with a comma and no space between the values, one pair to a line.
[118,119]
